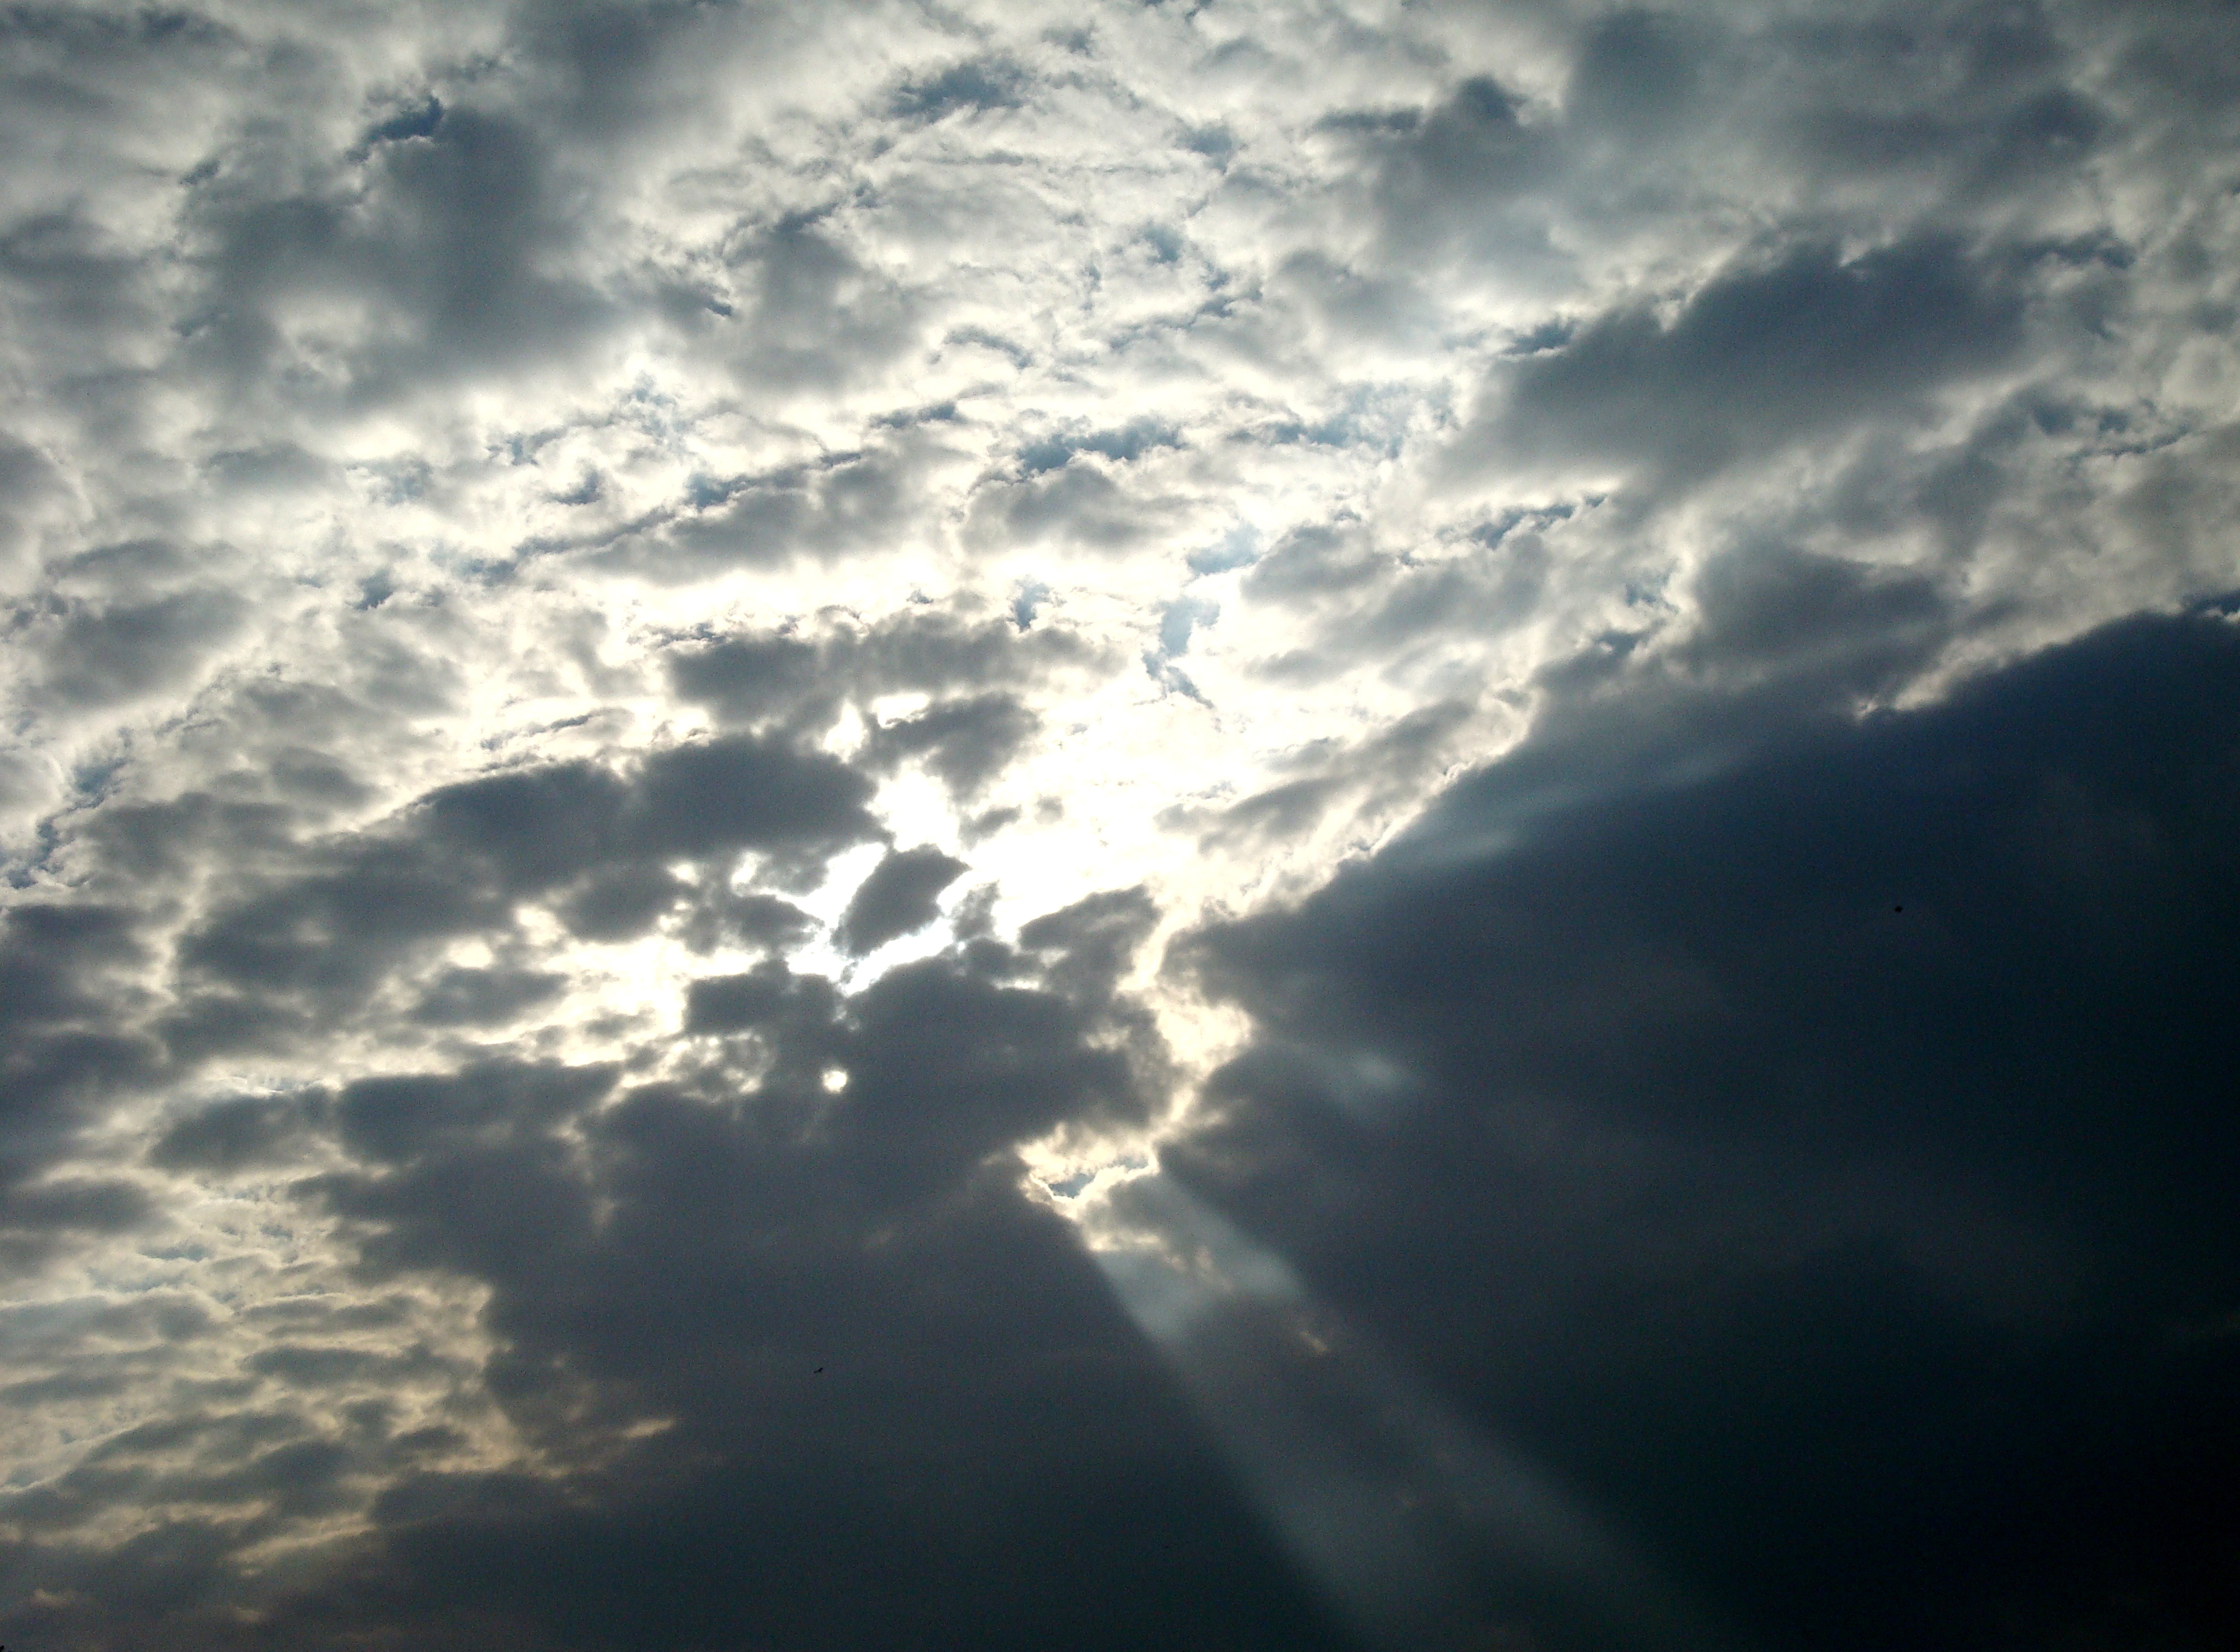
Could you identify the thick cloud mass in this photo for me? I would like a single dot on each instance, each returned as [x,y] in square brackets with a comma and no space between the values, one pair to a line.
[1851,1123]
[1338,825]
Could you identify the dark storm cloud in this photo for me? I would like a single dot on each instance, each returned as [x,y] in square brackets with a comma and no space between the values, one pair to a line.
[1981,101]
[608,67]
[1840,625]
[768,996]
[1780,642]
[738,791]
[1951,109]
[1637,73]
[239,1465]
[1086,947]
[751,680]
[818,315]
[729,917]
[2000,111]
[400,1120]
[35,1216]
[1849,1119]
[862,1340]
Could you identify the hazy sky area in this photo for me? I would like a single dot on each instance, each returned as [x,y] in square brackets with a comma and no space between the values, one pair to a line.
[1333,826]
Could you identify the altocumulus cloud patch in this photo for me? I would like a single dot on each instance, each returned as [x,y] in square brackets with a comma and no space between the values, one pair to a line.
[1225,826]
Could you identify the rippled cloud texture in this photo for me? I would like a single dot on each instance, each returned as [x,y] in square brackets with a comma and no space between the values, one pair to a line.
[1242,826]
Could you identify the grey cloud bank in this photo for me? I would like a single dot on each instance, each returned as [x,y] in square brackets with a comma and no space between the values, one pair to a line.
[1850,1122]
[1306,825]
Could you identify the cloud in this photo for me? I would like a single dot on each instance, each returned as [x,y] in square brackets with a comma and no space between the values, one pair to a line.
[1441,171]
[1082,504]
[103,656]
[972,86]
[897,897]
[1766,1107]
[966,743]
[858,1199]
[61,964]
[970,827]
[758,679]
[435,237]
[238,1134]
[1757,358]
[322,931]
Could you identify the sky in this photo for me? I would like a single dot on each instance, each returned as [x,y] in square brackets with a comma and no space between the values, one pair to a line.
[1322,825]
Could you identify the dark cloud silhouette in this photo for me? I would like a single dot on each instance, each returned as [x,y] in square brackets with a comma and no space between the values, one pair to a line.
[587,840]
[240,1133]
[1637,74]
[729,917]
[897,898]
[993,1404]
[820,317]
[767,997]
[966,743]
[445,238]
[617,905]
[484,997]
[1758,359]
[785,678]
[1092,942]
[748,679]
[1894,1233]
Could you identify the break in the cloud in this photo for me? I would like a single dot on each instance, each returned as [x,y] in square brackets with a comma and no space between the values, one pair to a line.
[1240,826]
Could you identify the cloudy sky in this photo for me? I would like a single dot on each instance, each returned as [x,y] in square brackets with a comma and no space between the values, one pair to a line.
[1326,824]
